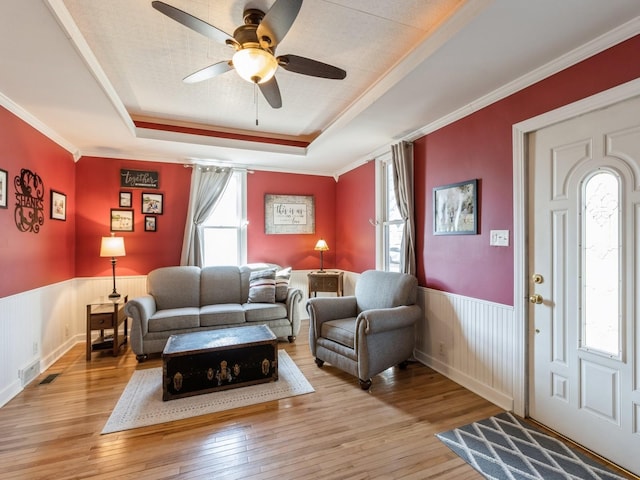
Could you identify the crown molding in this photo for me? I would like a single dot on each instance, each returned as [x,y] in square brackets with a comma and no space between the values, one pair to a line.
[589,49]
[32,121]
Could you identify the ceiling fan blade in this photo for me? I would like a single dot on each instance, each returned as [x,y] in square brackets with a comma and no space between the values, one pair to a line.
[277,22]
[208,72]
[271,92]
[306,66]
[193,23]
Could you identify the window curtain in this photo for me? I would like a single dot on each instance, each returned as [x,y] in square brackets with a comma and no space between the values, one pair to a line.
[207,186]
[402,158]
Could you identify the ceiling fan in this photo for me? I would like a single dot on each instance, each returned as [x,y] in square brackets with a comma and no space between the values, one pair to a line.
[255,43]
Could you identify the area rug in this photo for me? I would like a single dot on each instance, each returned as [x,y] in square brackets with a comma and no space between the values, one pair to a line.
[505,447]
[141,402]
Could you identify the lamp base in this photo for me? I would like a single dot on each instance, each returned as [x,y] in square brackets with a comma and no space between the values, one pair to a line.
[114,295]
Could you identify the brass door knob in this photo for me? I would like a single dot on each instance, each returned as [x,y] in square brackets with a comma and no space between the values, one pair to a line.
[536,298]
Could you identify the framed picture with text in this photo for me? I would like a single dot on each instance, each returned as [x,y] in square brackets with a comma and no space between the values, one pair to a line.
[286,214]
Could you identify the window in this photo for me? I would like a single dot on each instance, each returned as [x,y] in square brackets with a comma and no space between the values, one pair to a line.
[390,224]
[225,231]
[601,252]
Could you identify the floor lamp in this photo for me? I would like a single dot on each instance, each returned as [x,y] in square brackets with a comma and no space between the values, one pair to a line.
[112,247]
[321,246]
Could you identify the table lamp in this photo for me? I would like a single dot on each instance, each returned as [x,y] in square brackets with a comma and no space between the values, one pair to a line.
[112,247]
[321,246]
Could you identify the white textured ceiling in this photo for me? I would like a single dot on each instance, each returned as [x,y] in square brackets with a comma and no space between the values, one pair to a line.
[145,55]
[84,68]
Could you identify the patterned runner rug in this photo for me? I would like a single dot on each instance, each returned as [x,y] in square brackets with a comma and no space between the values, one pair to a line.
[505,447]
[141,402]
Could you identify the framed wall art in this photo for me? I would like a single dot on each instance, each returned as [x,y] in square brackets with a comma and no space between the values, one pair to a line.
[150,223]
[125,200]
[4,176]
[455,209]
[285,214]
[58,205]
[152,203]
[121,220]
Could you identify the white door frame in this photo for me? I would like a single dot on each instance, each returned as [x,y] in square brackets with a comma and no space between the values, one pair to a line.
[520,221]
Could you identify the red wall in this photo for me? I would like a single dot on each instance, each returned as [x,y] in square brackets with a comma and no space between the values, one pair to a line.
[30,260]
[291,250]
[98,187]
[355,236]
[480,146]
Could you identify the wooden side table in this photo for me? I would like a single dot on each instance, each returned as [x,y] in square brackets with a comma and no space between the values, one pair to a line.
[325,281]
[106,315]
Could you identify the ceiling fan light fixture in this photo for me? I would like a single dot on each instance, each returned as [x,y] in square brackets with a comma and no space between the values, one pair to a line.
[255,65]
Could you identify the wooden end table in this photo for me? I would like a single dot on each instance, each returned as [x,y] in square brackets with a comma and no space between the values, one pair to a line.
[325,281]
[107,315]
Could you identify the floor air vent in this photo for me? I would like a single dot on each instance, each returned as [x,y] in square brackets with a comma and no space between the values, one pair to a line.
[49,378]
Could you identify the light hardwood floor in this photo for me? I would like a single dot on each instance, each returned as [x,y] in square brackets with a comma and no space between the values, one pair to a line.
[339,432]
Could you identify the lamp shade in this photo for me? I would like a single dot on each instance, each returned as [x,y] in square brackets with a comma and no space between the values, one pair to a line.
[112,247]
[321,245]
[255,65]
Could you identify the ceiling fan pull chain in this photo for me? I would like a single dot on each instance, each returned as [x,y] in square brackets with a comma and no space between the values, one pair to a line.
[255,99]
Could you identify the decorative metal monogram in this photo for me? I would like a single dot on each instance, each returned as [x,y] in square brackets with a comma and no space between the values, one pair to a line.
[29,214]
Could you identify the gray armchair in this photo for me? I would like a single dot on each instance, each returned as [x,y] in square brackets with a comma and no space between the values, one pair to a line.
[369,332]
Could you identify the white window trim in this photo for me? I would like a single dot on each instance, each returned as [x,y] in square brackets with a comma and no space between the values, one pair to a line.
[381,200]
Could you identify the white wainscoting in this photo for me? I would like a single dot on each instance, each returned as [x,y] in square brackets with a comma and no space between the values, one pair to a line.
[39,326]
[479,339]
[471,341]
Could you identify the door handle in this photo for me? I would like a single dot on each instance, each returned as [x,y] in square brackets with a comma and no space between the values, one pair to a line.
[536,298]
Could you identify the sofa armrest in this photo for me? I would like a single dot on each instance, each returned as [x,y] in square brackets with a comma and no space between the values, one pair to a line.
[385,337]
[139,309]
[387,319]
[294,297]
[322,309]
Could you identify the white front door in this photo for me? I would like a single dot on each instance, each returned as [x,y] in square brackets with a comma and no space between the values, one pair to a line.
[584,264]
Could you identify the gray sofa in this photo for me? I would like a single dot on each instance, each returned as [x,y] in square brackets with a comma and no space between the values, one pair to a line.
[189,299]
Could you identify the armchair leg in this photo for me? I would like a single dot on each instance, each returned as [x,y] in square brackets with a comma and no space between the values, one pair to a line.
[291,338]
[365,384]
[403,365]
[319,362]
[141,358]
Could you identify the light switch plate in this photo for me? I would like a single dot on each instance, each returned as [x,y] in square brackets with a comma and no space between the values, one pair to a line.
[499,238]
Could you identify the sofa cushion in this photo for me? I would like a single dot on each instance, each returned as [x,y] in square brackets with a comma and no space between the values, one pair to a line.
[174,319]
[262,286]
[341,331]
[175,287]
[282,284]
[220,284]
[221,314]
[263,312]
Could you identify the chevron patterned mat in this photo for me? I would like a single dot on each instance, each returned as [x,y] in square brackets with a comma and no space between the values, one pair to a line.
[505,447]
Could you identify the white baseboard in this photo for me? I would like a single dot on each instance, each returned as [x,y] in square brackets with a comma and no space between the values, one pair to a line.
[479,388]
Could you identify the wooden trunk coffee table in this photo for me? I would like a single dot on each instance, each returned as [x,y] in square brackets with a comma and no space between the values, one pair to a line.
[203,362]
